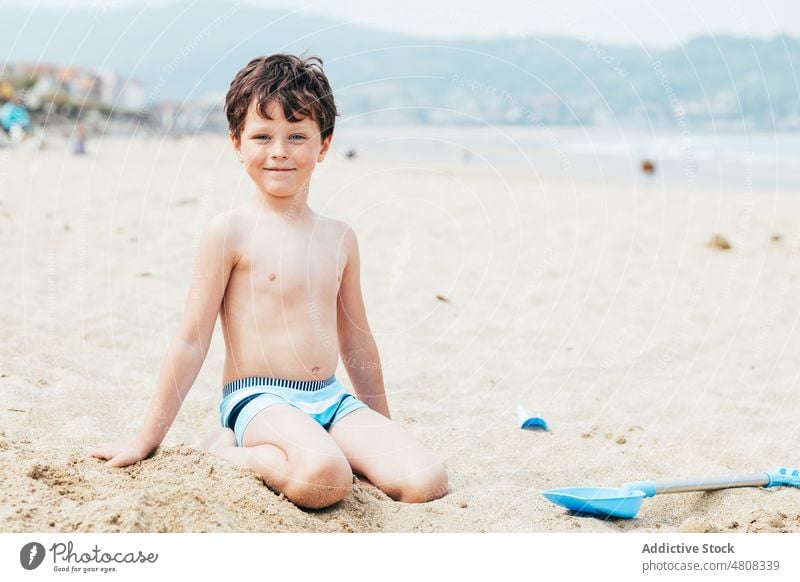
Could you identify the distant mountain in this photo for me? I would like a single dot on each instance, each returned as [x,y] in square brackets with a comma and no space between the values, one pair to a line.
[192,49]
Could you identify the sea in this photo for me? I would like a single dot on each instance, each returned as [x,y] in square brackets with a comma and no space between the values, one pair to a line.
[758,161]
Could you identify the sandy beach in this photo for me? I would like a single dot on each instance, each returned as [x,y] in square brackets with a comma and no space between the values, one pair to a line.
[598,306]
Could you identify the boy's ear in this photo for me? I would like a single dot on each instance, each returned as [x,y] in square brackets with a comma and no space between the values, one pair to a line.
[326,143]
[237,144]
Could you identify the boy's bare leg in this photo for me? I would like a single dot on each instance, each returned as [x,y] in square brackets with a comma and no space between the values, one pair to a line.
[259,459]
[292,453]
[220,437]
[382,451]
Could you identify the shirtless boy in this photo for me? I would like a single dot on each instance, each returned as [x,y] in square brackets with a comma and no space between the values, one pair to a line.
[285,282]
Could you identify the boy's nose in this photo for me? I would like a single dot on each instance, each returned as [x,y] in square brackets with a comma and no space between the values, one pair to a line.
[278,152]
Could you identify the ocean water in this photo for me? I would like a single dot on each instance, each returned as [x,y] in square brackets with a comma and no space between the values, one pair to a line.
[754,161]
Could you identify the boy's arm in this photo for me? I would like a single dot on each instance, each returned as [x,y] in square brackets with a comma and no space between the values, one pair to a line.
[214,261]
[356,344]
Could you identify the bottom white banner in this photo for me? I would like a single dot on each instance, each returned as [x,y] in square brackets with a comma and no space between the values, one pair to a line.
[415,556]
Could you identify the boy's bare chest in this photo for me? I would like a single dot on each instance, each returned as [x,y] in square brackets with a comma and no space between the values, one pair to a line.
[291,266]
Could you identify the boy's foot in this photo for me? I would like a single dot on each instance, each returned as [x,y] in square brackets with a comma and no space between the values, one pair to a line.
[218,439]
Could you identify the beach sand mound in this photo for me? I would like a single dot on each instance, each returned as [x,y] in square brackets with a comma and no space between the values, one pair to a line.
[179,489]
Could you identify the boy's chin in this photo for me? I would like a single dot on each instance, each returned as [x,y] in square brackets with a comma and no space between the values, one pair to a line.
[277,193]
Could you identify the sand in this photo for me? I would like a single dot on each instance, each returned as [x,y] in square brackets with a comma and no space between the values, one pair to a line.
[601,307]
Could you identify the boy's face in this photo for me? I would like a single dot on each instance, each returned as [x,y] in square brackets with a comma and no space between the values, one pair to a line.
[279,155]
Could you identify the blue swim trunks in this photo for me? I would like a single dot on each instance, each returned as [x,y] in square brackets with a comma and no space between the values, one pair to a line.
[326,401]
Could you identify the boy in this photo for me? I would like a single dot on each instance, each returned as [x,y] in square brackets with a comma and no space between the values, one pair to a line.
[285,282]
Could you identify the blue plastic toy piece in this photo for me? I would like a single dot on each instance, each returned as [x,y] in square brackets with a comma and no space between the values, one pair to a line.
[528,421]
[602,501]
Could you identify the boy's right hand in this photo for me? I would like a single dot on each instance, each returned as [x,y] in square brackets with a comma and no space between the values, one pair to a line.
[121,454]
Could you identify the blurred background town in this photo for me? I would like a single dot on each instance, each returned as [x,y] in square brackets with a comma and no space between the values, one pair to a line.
[57,95]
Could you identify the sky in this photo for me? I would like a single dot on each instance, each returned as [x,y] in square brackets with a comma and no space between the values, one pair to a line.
[613,21]
[638,22]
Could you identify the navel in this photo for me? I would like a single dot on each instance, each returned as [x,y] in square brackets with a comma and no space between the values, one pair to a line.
[272,276]
[315,369]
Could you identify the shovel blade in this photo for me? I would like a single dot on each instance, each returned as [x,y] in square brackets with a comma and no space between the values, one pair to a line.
[604,501]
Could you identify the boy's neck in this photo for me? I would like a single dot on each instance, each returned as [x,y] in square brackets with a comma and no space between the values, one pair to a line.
[293,208]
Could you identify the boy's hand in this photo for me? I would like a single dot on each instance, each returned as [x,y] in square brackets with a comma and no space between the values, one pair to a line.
[121,454]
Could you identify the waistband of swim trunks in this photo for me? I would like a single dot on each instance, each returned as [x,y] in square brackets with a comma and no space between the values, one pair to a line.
[305,385]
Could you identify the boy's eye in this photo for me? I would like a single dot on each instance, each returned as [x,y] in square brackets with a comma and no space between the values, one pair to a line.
[295,137]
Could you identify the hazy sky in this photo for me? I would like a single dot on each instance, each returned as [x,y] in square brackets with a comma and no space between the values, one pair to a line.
[660,23]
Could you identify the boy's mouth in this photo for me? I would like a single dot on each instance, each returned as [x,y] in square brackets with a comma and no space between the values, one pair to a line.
[279,169]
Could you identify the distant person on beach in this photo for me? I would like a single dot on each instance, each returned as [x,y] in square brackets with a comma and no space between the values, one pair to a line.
[14,119]
[285,282]
[78,140]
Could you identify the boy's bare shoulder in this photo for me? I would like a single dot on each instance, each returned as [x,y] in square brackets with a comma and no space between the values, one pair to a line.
[332,223]
[340,229]
[228,223]
[228,229]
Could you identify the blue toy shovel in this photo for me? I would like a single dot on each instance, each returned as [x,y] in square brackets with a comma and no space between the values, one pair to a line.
[625,501]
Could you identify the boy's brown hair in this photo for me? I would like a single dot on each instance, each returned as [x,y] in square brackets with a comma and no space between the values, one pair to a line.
[297,84]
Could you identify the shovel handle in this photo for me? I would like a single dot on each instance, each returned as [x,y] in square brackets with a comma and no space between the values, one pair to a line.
[714,484]
[651,488]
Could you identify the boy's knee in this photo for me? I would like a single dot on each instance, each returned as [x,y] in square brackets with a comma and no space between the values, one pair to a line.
[321,483]
[424,485]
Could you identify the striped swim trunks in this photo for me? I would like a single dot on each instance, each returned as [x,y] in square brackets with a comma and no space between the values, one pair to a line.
[326,401]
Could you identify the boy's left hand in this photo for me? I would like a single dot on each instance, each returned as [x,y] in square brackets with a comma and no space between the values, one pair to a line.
[120,454]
